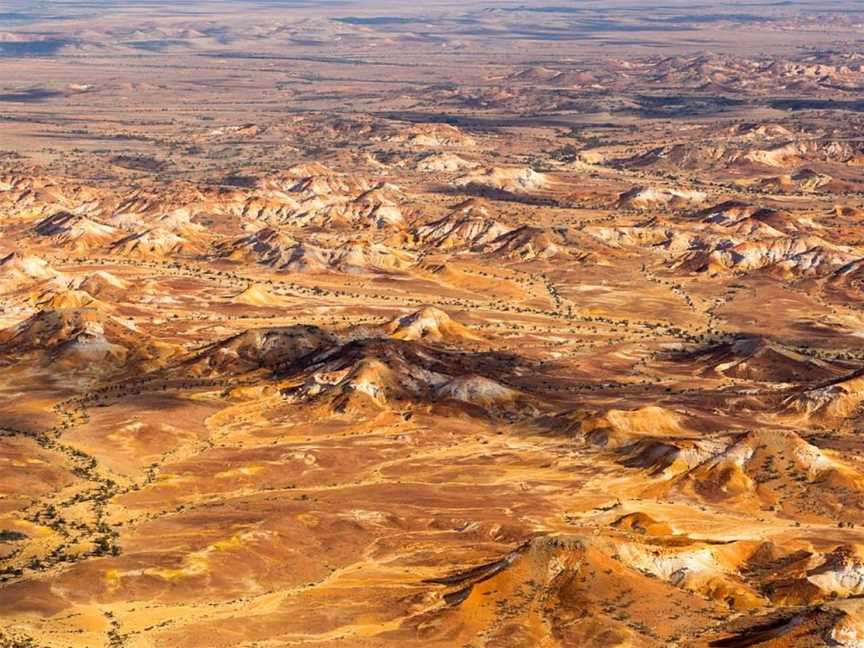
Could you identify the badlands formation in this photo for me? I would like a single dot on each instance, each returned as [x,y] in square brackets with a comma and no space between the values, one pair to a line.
[472,325]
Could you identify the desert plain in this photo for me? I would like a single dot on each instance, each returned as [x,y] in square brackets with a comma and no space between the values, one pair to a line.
[471,324]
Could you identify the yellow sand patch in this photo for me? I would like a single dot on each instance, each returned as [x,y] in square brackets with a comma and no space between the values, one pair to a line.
[172,479]
[204,396]
[22,463]
[234,542]
[309,520]
[198,562]
[113,578]
[243,471]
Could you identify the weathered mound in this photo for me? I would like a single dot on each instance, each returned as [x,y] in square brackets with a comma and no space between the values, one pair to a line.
[376,208]
[258,295]
[303,181]
[81,339]
[643,524]
[792,154]
[666,457]
[304,257]
[380,373]
[275,249]
[102,284]
[435,136]
[515,180]
[848,281]
[839,574]
[759,359]
[712,570]
[804,181]
[785,257]
[68,299]
[28,197]
[527,243]
[745,574]
[778,470]
[741,222]
[541,75]
[154,243]
[267,348]
[828,402]
[651,197]
[75,232]
[644,235]
[751,149]
[314,196]
[20,271]
[444,163]
[616,427]
[267,246]
[556,591]
[428,323]
[362,256]
[477,390]
[811,628]
[728,211]
[469,225]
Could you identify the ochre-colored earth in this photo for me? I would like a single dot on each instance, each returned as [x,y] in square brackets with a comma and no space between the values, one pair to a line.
[483,325]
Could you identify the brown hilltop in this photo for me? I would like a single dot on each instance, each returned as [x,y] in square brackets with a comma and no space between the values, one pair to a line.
[101,283]
[781,256]
[68,299]
[258,295]
[154,243]
[778,469]
[529,243]
[79,234]
[831,401]
[469,225]
[374,373]
[267,246]
[267,348]
[515,180]
[563,586]
[19,270]
[429,324]
[760,359]
[80,339]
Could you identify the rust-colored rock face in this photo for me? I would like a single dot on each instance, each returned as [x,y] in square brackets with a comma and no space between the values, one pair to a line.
[477,324]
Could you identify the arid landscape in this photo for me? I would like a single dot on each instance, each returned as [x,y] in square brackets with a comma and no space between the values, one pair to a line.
[366,323]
